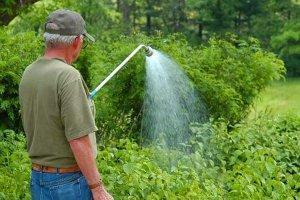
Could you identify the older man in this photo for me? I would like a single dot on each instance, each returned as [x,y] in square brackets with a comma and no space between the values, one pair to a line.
[58,117]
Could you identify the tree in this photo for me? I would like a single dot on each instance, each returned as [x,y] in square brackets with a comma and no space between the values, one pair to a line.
[287,44]
[10,8]
[275,14]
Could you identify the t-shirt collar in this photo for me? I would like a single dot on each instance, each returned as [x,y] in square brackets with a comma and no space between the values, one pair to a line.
[60,59]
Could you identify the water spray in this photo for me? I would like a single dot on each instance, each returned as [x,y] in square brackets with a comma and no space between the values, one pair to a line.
[148,51]
[171,102]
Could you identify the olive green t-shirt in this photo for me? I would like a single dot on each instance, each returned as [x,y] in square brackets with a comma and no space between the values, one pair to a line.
[55,109]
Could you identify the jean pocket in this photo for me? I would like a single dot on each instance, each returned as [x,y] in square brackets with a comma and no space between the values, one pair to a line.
[66,191]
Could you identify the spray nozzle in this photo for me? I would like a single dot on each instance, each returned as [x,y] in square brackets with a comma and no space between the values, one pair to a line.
[149,51]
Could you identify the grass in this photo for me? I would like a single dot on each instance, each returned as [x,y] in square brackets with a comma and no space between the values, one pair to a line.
[280,97]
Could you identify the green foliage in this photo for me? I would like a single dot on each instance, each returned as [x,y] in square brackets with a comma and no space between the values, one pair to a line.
[101,20]
[130,171]
[33,18]
[288,46]
[257,160]
[231,74]
[197,19]
[14,166]
[10,8]
[228,74]
[17,52]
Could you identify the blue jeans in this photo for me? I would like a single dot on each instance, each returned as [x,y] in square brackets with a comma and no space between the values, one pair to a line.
[56,186]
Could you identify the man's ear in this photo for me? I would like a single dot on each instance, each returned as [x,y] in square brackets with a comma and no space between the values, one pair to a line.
[76,42]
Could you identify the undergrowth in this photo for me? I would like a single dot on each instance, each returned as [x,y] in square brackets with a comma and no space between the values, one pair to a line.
[258,159]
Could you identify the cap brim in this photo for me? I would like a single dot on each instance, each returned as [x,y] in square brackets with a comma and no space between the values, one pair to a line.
[91,38]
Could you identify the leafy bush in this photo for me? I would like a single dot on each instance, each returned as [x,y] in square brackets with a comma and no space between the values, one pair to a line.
[14,166]
[257,160]
[17,52]
[228,74]
[242,164]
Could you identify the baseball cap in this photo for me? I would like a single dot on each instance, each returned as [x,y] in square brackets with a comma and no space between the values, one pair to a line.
[66,22]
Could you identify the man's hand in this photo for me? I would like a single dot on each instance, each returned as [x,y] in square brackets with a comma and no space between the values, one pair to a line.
[100,193]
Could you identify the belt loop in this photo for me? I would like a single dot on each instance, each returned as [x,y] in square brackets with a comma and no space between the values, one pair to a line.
[57,170]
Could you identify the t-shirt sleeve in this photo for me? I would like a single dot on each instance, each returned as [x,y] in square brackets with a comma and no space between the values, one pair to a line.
[76,113]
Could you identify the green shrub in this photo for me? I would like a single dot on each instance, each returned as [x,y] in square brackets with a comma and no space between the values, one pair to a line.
[17,52]
[258,159]
[119,102]
[131,172]
[14,166]
[228,74]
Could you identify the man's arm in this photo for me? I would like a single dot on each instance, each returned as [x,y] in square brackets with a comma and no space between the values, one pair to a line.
[83,152]
[78,121]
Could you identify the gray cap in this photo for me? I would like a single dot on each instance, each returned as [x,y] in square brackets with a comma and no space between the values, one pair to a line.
[66,22]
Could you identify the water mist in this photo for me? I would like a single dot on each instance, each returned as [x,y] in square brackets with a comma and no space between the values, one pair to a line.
[171,104]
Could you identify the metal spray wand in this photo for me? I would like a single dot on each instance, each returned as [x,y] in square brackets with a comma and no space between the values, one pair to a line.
[149,52]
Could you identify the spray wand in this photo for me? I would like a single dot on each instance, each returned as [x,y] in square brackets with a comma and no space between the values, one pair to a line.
[148,51]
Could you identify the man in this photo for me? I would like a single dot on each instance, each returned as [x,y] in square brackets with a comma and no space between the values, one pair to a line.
[58,116]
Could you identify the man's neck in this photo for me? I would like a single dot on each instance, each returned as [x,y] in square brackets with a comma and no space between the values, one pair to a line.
[58,53]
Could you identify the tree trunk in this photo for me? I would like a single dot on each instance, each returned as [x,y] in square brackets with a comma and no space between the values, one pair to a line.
[237,23]
[134,14]
[219,15]
[181,14]
[148,18]
[249,25]
[148,24]
[178,15]
[126,12]
[174,20]
[200,30]
[118,5]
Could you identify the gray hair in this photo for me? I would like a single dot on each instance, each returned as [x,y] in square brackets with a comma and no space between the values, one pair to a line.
[56,40]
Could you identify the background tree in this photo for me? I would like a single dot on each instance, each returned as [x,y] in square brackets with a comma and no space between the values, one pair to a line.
[10,8]
[288,45]
[198,20]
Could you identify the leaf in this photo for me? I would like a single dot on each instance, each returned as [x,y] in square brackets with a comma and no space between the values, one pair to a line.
[128,168]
